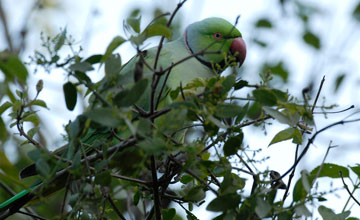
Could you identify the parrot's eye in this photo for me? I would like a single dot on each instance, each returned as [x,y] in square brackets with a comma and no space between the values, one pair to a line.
[217,36]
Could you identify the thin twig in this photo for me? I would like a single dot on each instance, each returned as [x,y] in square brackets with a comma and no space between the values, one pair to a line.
[195,176]
[179,5]
[291,176]
[311,140]
[155,186]
[347,189]
[115,208]
[130,179]
[6,29]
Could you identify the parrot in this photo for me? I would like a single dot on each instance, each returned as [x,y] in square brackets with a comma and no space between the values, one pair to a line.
[185,59]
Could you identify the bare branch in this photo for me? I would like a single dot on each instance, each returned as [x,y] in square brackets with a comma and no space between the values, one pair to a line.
[347,189]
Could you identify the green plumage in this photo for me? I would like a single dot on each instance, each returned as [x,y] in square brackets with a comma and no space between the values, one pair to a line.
[212,34]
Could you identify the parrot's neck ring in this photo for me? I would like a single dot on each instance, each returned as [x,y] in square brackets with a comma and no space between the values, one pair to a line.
[204,62]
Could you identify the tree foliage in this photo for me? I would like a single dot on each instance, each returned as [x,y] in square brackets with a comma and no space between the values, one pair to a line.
[137,163]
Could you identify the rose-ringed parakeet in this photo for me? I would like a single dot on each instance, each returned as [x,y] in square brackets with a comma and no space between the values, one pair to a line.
[184,59]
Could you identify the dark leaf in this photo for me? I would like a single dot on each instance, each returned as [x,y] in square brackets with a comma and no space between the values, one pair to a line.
[157,30]
[264,23]
[265,97]
[240,84]
[186,179]
[328,214]
[134,23]
[129,97]
[104,116]
[42,167]
[154,146]
[5,106]
[60,40]
[82,67]
[228,110]
[103,179]
[289,133]
[262,208]
[233,144]
[168,214]
[330,170]
[113,65]
[70,95]
[115,43]
[94,59]
[12,67]
[224,203]
[311,39]
[338,81]
[255,111]
[356,12]
[195,194]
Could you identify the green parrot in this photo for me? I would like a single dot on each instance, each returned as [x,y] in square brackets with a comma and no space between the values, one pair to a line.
[184,59]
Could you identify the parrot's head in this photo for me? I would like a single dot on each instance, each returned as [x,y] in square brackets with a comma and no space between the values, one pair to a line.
[215,35]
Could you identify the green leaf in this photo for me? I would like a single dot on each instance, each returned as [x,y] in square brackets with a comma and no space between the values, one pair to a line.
[302,210]
[82,67]
[3,131]
[157,30]
[311,39]
[5,106]
[289,133]
[279,116]
[34,155]
[330,170]
[94,59]
[42,167]
[263,23]
[39,102]
[265,97]
[356,12]
[33,131]
[103,179]
[224,202]
[228,83]
[186,179]
[32,118]
[277,69]
[129,97]
[115,43]
[195,194]
[240,84]
[231,183]
[228,110]
[70,95]
[168,214]
[60,40]
[12,67]
[356,170]
[6,166]
[104,116]
[82,77]
[154,146]
[134,23]
[233,144]
[113,65]
[338,81]
[262,208]
[255,111]
[328,214]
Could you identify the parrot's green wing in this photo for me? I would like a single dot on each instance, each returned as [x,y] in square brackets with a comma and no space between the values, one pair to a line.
[184,60]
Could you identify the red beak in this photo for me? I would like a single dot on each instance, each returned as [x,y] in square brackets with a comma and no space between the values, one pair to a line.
[238,47]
